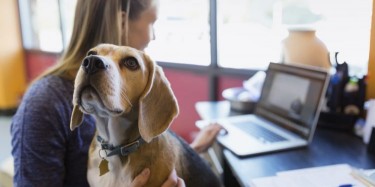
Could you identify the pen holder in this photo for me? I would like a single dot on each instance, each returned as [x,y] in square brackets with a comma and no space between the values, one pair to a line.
[337,121]
[371,143]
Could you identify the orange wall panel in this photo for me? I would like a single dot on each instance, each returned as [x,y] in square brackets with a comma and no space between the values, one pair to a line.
[12,70]
[371,63]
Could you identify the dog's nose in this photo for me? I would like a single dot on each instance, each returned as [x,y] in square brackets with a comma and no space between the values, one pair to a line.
[93,64]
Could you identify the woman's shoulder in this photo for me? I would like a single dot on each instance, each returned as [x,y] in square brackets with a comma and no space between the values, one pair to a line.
[49,94]
[50,87]
[53,82]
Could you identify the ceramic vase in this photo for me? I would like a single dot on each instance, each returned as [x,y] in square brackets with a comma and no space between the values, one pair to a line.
[302,46]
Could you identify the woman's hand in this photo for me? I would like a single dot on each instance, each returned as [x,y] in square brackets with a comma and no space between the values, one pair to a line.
[172,181]
[206,138]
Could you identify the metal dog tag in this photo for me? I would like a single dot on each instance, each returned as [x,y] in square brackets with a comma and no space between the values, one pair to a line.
[103,167]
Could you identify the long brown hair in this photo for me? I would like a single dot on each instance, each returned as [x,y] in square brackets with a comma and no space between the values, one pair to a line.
[95,22]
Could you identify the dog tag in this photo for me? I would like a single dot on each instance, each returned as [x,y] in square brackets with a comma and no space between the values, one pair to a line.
[103,167]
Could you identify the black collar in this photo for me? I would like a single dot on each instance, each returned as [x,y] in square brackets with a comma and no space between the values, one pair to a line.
[120,150]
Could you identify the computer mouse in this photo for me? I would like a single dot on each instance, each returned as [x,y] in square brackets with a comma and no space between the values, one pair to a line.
[223,132]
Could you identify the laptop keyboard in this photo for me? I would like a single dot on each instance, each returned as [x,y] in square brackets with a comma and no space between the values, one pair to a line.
[261,133]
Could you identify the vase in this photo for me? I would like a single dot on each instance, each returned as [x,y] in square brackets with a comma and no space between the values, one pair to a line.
[302,46]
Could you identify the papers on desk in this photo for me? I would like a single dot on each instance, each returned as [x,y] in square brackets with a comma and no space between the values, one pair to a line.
[327,176]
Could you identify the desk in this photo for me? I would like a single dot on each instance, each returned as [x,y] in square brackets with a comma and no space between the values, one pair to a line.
[328,147]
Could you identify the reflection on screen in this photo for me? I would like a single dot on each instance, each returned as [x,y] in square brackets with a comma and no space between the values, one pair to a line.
[283,93]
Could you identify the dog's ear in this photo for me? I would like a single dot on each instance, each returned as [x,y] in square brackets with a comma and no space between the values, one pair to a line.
[157,105]
[77,117]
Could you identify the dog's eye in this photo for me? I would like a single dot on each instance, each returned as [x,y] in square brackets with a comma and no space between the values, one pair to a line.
[92,53]
[131,63]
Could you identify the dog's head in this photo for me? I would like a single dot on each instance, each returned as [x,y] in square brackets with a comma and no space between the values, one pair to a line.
[114,80]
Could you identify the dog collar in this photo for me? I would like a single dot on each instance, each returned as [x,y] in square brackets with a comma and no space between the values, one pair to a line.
[120,150]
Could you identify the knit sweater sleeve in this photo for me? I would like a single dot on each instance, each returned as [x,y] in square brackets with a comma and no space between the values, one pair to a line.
[40,132]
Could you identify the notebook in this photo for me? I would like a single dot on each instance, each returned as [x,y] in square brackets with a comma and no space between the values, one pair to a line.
[285,116]
[338,175]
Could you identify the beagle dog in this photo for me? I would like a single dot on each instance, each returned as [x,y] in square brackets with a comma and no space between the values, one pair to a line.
[133,105]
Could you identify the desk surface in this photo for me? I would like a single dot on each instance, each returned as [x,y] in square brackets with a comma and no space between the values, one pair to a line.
[328,147]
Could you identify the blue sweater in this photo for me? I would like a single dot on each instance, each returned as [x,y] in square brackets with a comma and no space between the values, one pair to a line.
[46,152]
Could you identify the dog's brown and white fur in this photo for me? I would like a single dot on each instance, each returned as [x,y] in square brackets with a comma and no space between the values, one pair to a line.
[130,97]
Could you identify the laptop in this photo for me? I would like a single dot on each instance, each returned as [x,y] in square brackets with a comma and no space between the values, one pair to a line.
[286,114]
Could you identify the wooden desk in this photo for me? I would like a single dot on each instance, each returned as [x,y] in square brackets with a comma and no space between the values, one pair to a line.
[328,147]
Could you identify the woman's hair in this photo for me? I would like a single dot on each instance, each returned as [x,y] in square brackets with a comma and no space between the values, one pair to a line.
[95,22]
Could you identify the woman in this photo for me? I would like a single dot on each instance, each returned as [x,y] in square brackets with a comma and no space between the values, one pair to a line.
[46,152]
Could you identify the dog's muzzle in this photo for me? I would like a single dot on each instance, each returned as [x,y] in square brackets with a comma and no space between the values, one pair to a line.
[93,64]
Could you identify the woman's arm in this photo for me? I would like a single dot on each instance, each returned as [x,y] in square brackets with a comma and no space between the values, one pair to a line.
[39,139]
[38,147]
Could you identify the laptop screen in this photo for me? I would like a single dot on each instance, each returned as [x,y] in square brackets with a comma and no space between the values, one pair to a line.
[291,97]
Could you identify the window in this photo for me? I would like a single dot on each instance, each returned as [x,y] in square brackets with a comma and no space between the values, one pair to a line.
[46,24]
[67,17]
[249,32]
[345,28]
[182,32]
